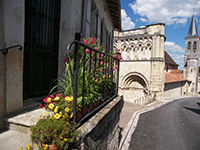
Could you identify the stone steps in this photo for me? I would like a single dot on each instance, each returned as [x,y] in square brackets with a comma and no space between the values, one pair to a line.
[22,121]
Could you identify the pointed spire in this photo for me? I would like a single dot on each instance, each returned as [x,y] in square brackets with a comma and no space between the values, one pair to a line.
[193,28]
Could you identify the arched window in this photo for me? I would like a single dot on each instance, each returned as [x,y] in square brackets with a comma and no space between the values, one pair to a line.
[195,45]
[189,46]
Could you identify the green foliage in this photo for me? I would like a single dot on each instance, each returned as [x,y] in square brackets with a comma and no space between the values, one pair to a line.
[49,130]
[92,67]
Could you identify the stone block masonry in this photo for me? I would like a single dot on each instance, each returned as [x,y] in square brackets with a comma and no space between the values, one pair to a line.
[102,130]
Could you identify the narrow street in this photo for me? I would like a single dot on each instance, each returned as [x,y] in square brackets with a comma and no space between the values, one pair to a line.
[174,126]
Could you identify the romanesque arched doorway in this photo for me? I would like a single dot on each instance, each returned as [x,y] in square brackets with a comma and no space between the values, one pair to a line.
[135,87]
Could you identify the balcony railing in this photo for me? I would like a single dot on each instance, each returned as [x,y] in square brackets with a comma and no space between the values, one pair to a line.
[95,79]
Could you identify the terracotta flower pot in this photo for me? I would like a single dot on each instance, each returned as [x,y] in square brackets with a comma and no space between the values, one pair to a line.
[78,115]
[51,147]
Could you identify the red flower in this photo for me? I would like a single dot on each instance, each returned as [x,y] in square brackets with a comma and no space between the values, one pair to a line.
[91,42]
[64,96]
[57,95]
[87,51]
[101,70]
[44,100]
[51,96]
[45,106]
[65,59]
[40,105]
[120,57]
[84,41]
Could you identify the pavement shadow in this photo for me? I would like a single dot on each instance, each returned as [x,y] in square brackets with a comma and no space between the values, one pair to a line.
[198,103]
[197,111]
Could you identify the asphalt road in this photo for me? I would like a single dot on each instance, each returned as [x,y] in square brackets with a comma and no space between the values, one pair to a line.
[174,126]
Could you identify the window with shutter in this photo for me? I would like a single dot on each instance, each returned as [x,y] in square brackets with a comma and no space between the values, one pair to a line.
[86,18]
[98,27]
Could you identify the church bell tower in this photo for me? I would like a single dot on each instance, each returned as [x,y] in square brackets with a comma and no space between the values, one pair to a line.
[191,58]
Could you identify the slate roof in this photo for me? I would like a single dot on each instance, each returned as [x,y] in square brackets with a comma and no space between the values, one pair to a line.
[193,28]
[169,60]
[171,77]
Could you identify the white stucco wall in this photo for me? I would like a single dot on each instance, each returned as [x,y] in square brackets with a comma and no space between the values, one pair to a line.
[13,13]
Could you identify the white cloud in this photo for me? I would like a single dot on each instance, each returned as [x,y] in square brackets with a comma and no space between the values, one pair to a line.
[179,59]
[172,47]
[165,11]
[143,19]
[176,52]
[126,21]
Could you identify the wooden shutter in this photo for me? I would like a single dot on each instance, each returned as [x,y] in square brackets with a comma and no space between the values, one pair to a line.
[98,26]
[107,41]
[86,18]
[103,31]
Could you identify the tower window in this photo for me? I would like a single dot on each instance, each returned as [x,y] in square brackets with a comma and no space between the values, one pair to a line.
[195,45]
[189,45]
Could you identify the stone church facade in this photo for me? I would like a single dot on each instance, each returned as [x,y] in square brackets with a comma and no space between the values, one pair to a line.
[191,58]
[141,77]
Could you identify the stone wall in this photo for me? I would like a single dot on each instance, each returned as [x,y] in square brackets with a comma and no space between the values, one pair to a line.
[102,131]
[142,68]
[176,89]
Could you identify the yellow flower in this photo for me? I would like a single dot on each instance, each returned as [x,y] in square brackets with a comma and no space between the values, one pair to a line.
[57,116]
[92,79]
[67,98]
[71,98]
[66,115]
[60,113]
[65,139]
[46,146]
[56,109]
[56,98]
[61,137]
[28,146]
[110,76]
[104,76]
[51,106]
[71,115]
[96,80]
[49,100]
[67,109]
[80,105]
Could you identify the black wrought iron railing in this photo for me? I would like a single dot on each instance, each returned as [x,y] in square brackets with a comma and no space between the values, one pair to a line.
[95,79]
[5,50]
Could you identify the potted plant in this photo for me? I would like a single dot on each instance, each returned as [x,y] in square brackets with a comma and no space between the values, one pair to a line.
[53,132]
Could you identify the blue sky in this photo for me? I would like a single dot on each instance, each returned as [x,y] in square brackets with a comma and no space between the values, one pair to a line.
[176,14]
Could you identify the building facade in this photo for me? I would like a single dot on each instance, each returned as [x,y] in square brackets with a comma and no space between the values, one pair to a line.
[141,77]
[191,58]
[43,29]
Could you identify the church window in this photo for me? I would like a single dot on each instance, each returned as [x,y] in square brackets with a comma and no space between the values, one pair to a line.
[194,45]
[189,45]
